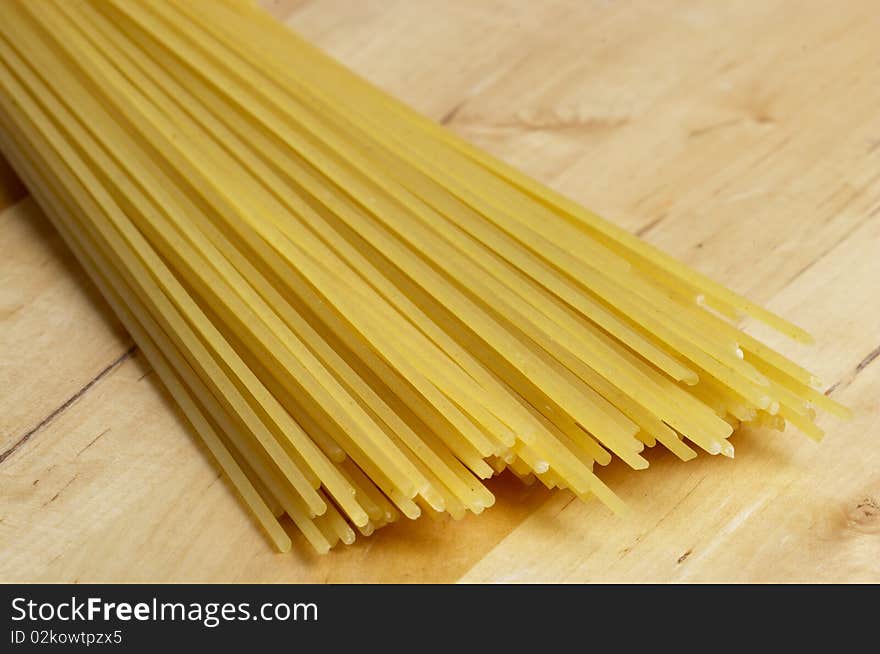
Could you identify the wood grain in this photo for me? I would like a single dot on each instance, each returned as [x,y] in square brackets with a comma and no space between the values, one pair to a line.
[741,137]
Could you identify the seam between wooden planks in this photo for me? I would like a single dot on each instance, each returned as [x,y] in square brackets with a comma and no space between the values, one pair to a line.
[847,380]
[68,403]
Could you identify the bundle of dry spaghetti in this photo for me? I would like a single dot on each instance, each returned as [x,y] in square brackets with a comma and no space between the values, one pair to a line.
[360,314]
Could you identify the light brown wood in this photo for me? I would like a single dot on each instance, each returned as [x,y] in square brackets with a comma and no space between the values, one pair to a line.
[742,137]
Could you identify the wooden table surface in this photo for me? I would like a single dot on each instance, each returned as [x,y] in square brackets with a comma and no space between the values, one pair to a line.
[742,137]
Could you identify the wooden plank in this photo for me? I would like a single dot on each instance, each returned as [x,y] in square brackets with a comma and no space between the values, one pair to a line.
[741,137]
[57,335]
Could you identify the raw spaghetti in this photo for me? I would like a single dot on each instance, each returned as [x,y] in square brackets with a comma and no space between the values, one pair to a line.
[360,314]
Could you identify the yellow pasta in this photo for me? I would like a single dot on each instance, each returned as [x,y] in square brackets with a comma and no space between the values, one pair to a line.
[362,315]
